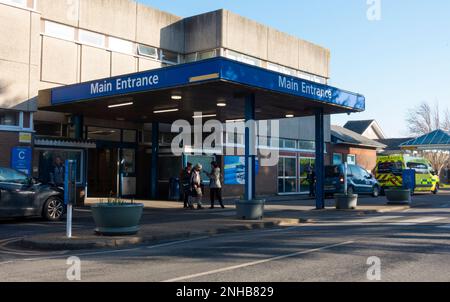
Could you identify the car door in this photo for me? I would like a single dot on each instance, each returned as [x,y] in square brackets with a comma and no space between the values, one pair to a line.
[355,178]
[16,194]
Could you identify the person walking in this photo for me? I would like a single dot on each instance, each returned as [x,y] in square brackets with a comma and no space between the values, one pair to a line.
[196,185]
[186,185]
[215,184]
[312,181]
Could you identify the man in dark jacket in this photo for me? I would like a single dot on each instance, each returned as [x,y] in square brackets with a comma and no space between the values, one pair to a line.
[186,185]
[312,181]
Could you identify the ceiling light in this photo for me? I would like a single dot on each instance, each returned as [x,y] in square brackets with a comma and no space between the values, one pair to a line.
[177,97]
[221,104]
[289,115]
[165,111]
[236,121]
[202,116]
[121,105]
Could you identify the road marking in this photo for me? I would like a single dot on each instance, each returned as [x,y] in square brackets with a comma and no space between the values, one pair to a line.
[114,251]
[231,268]
[416,221]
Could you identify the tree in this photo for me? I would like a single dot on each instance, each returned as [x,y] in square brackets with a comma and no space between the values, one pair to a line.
[424,119]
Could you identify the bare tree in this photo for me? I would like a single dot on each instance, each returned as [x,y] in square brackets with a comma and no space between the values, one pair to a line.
[424,119]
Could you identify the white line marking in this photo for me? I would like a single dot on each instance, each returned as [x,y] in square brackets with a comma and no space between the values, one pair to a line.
[230,268]
[416,221]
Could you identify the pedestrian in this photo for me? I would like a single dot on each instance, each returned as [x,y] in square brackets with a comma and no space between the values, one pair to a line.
[312,181]
[57,175]
[215,184]
[196,185]
[185,178]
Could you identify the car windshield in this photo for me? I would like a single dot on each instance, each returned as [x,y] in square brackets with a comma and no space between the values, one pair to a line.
[332,171]
[12,176]
[390,167]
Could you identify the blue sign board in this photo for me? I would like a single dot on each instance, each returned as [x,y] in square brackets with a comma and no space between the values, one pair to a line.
[21,159]
[216,69]
[234,171]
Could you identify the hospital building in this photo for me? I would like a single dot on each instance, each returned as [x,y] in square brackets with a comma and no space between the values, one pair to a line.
[102,81]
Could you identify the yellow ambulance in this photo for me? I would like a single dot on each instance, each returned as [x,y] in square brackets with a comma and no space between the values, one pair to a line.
[389,172]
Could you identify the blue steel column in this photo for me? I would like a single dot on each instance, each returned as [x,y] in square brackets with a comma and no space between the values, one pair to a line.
[155,155]
[250,156]
[320,160]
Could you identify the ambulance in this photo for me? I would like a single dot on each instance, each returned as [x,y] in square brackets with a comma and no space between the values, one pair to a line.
[389,172]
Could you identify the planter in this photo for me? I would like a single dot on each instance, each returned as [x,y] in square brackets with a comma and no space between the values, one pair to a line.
[398,196]
[117,219]
[250,210]
[346,201]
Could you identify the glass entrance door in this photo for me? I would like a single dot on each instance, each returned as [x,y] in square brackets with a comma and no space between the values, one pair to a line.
[287,175]
[306,164]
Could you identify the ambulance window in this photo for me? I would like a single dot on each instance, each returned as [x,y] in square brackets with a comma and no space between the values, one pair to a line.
[389,167]
[418,167]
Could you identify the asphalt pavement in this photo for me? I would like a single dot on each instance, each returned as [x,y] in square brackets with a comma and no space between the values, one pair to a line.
[410,245]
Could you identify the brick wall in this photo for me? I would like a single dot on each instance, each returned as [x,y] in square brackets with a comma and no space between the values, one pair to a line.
[365,157]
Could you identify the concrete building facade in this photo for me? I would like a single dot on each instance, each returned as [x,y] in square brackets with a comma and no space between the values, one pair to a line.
[51,43]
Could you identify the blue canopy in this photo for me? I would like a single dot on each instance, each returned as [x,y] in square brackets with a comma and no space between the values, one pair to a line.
[437,139]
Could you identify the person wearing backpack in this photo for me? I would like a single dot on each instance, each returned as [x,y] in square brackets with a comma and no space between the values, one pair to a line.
[215,184]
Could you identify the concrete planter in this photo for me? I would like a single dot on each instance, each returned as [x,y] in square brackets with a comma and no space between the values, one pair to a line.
[117,219]
[346,201]
[250,210]
[398,196]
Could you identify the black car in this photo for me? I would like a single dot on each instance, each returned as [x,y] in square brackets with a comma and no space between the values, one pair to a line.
[22,196]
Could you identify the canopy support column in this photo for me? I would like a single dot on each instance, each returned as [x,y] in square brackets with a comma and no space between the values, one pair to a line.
[155,156]
[250,148]
[320,159]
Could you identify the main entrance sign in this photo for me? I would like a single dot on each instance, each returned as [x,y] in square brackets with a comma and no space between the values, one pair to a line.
[199,72]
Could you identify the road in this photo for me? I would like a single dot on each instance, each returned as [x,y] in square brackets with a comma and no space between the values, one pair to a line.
[413,245]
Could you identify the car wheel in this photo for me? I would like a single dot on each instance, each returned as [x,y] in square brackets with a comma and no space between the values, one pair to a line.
[53,209]
[376,191]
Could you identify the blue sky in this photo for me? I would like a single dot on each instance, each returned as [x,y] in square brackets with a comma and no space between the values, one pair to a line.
[396,62]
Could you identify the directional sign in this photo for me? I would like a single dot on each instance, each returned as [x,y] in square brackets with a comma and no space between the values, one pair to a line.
[21,159]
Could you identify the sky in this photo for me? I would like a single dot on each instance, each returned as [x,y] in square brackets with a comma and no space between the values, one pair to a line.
[396,62]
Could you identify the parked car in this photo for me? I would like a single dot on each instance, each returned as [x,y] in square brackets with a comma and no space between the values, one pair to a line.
[359,181]
[23,196]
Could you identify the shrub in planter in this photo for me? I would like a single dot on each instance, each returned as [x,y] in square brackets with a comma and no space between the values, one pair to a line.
[250,210]
[117,218]
[346,201]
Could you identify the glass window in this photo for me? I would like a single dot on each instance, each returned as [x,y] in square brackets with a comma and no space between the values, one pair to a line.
[192,57]
[243,58]
[91,38]
[290,144]
[128,161]
[206,55]
[59,31]
[12,176]
[104,134]
[148,51]
[287,175]
[21,3]
[120,45]
[337,158]
[307,145]
[390,167]
[205,161]
[351,159]
[9,118]
[169,57]
[49,165]
[129,136]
